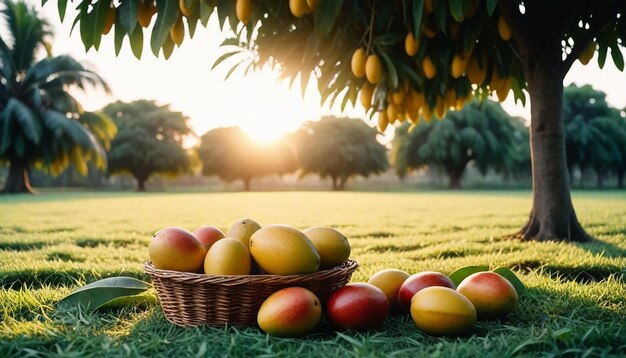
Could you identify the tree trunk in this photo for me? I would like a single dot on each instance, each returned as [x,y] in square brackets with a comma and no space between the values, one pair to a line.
[335,186]
[620,179]
[18,180]
[454,177]
[455,173]
[246,184]
[600,178]
[342,183]
[141,184]
[552,216]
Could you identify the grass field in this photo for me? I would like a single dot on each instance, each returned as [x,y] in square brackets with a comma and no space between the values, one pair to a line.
[575,304]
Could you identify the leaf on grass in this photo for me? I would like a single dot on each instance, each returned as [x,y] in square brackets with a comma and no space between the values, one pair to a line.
[512,278]
[97,293]
[142,300]
[460,274]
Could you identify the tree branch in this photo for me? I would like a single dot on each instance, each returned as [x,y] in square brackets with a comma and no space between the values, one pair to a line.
[599,22]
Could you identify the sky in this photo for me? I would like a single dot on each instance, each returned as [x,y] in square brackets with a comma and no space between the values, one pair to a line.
[258,102]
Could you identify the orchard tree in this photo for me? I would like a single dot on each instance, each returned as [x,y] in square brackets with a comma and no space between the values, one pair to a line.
[149,140]
[340,148]
[41,124]
[230,154]
[481,133]
[413,56]
[592,131]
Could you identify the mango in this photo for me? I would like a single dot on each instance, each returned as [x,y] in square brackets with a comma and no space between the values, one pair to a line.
[242,230]
[284,250]
[290,312]
[441,311]
[491,294]
[227,257]
[332,246]
[390,281]
[176,249]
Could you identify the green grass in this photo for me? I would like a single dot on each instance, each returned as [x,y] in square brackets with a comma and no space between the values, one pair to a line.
[575,304]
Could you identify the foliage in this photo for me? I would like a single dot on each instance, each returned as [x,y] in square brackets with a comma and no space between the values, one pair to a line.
[231,154]
[41,123]
[317,42]
[594,131]
[573,304]
[482,133]
[150,140]
[340,148]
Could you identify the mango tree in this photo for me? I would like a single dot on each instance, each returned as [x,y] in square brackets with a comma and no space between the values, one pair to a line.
[408,58]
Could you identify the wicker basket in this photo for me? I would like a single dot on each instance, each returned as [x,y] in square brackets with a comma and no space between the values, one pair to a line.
[191,299]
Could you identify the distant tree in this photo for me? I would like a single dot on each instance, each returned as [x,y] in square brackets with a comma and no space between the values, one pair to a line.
[41,124]
[340,148]
[592,130]
[230,154]
[620,138]
[481,132]
[150,140]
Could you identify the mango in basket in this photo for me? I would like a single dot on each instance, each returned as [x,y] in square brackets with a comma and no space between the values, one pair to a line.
[284,250]
[176,249]
[290,312]
[333,247]
[242,230]
[227,257]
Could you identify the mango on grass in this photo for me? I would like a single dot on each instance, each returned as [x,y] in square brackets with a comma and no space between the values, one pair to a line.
[390,281]
[491,294]
[290,312]
[332,246]
[284,250]
[441,311]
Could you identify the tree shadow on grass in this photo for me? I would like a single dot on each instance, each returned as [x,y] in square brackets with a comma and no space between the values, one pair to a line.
[603,248]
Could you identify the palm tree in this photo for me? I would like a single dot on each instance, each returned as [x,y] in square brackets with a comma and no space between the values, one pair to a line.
[41,124]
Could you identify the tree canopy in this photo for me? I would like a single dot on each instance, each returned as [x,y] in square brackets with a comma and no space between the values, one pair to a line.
[594,132]
[340,148]
[149,141]
[41,123]
[230,154]
[413,56]
[481,133]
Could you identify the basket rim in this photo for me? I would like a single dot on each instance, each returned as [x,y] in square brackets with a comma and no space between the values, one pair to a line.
[349,266]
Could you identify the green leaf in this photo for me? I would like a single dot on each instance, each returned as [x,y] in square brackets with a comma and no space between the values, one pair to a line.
[602,50]
[418,10]
[459,275]
[97,293]
[391,70]
[512,278]
[167,14]
[119,35]
[62,6]
[127,14]
[616,54]
[99,14]
[168,47]
[142,300]
[458,9]
[491,6]
[326,15]
[223,57]
[205,12]
[136,42]
[441,12]
[85,28]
